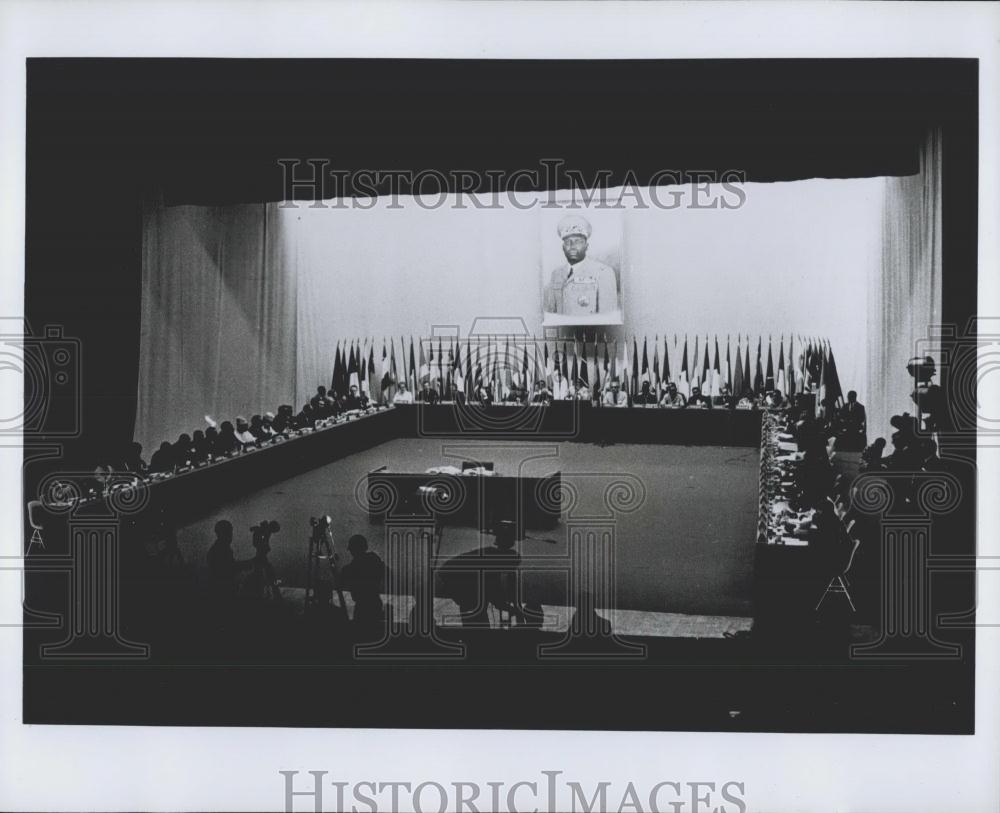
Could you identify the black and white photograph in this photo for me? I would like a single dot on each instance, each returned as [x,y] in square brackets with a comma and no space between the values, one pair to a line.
[582,271]
[629,398]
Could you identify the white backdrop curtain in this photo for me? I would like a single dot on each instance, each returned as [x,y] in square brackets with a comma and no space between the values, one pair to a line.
[905,292]
[242,306]
[219,320]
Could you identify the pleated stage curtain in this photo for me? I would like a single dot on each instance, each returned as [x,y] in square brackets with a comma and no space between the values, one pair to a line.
[219,320]
[905,292]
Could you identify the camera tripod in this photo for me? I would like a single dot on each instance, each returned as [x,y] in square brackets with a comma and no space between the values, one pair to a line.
[321,549]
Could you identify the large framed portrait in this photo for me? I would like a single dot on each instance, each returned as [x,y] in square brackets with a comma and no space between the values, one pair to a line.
[581,262]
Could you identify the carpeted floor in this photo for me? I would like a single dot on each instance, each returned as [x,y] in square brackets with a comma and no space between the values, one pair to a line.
[687,549]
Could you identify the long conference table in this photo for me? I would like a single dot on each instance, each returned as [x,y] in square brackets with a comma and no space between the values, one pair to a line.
[197,491]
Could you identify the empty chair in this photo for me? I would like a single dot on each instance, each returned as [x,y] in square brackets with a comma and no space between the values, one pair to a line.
[839,582]
[35,521]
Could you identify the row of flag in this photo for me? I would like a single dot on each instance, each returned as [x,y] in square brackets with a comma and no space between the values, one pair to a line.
[501,364]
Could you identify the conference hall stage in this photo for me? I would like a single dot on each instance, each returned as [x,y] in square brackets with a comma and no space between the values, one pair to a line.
[204,278]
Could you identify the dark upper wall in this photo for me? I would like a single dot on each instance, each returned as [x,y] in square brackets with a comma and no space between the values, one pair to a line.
[212,130]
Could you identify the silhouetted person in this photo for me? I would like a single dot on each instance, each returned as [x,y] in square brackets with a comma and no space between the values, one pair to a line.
[163,459]
[222,566]
[427,394]
[133,462]
[211,440]
[227,442]
[306,417]
[184,452]
[364,577]
[201,445]
[515,396]
[724,399]
[355,399]
[322,403]
[283,421]
[645,397]
[905,456]
[542,394]
[853,424]
[483,394]
[672,398]
[257,428]
[697,400]
[871,457]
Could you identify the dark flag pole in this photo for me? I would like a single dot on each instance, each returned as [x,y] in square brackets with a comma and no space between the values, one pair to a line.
[747,379]
[336,369]
[769,377]
[758,379]
[729,368]
[738,381]
[634,383]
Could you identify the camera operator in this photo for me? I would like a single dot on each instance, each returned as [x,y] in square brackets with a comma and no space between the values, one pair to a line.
[365,578]
[222,564]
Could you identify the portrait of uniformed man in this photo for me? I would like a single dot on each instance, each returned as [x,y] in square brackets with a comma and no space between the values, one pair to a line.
[581,286]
